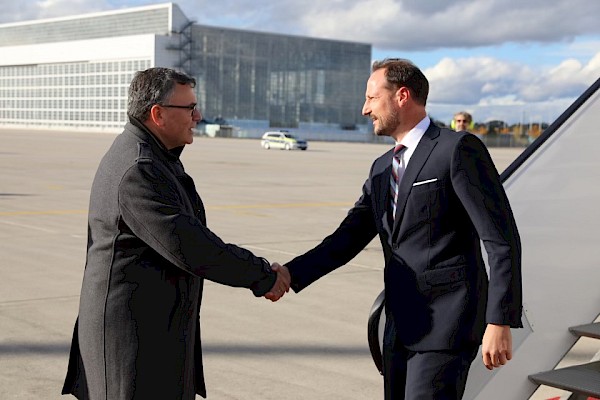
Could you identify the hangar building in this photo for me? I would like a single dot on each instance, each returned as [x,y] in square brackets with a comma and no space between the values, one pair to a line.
[73,72]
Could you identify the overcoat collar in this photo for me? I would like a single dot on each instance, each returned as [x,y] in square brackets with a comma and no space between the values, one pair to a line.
[171,155]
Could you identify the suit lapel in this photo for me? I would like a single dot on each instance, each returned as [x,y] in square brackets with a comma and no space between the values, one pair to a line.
[417,160]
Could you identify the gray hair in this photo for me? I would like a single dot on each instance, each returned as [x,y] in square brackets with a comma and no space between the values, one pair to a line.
[153,86]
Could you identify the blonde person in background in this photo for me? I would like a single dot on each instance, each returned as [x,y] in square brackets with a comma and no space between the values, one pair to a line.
[462,121]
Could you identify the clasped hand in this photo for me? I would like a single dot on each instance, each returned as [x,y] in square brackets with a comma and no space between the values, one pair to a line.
[282,284]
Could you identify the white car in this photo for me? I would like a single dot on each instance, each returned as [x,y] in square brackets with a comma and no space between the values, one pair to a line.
[282,140]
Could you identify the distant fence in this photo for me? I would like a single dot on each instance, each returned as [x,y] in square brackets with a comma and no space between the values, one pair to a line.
[320,136]
[333,134]
[505,140]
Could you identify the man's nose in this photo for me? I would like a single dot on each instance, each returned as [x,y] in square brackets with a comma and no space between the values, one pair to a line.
[366,110]
[197,115]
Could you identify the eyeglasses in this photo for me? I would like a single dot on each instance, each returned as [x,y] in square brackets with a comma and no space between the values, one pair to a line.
[192,107]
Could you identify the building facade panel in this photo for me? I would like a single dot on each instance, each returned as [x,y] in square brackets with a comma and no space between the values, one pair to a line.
[74,72]
[124,47]
[151,20]
[286,80]
[90,95]
[72,85]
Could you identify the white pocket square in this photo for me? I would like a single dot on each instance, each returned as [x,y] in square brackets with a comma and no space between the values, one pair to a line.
[424,182]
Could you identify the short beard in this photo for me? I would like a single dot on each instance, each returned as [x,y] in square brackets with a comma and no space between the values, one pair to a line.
[387,125]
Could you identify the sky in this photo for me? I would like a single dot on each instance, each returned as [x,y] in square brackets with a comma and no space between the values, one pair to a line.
[509,60]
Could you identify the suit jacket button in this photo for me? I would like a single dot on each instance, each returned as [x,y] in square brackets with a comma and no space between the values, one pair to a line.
[395,247]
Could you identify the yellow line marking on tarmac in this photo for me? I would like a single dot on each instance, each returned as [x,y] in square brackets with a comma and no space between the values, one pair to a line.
[250,213]
[223,207]
[55,187]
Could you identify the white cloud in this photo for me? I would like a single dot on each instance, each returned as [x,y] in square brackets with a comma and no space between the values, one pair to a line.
[37,9]
[487,84]
[490,87]
[582,48]
[401,25]
[567,80]
[417,25]
[410,25]
[467,80]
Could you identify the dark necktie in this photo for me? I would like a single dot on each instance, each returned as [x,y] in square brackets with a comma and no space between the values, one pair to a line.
[397,172]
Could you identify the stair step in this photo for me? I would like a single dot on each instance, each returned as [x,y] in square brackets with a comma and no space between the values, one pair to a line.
[581,379]
[588,330]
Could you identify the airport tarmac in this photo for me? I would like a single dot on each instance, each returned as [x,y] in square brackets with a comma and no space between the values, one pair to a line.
[278,204]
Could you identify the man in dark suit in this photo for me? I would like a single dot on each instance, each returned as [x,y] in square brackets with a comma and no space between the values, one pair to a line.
[431,207]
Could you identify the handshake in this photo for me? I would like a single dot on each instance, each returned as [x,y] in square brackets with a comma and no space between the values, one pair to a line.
[281,285]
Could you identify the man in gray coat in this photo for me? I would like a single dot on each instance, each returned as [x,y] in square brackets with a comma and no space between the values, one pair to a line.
[137,335]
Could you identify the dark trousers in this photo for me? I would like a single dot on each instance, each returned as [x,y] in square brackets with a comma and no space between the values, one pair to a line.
[428,375]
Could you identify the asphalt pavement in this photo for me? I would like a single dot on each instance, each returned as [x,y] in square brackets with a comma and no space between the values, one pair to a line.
[277,203]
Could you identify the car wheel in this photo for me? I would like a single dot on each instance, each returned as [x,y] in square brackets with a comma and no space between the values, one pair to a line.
[266,146]
[287,146]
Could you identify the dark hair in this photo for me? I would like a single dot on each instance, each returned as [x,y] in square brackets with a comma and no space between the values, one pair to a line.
[153,86]
[401,72]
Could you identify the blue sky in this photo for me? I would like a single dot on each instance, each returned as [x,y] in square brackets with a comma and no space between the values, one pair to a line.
[510,60]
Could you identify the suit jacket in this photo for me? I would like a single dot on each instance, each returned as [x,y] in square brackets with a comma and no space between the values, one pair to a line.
[436,286]
[149,250]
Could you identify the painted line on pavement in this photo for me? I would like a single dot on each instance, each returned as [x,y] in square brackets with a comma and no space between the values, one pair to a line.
[28,226]
[223,207]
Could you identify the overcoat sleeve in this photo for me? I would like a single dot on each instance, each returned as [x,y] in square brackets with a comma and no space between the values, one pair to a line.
[350,238]
[153,205]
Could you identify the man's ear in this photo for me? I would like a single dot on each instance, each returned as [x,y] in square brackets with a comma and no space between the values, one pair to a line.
[156,115]
[402,94]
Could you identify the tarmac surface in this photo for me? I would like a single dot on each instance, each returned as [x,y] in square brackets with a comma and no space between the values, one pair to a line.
[276,203]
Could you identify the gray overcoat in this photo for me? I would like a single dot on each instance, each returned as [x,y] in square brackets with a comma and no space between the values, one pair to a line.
[137,335]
